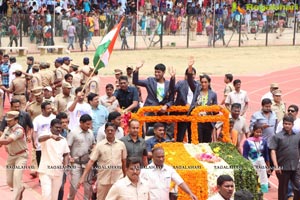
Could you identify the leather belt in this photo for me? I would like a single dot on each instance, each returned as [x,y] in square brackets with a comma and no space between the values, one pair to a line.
[18,153]
[19,94]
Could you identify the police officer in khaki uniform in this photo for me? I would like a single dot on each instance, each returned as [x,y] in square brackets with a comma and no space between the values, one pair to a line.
[118,73]
[34,108]
[14,139]
[33,80]
[277,105]
[36,78]
[47,75]
[18,88]
[77,78]
[62,99]
[60,73]
[129,71]
[85,70]
[67,63]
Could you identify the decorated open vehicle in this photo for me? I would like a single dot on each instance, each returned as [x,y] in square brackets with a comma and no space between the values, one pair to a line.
[201,164]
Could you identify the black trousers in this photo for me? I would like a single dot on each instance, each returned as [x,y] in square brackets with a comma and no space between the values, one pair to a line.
[182,127]
[204,132]
[283,180]
[271,163]
[38,157]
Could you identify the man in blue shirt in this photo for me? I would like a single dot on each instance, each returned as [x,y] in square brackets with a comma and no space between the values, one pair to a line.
[159,136]
[4,71]
[266,118]
[99,112]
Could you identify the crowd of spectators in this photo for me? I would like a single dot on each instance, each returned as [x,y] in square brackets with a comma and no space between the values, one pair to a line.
[147,18]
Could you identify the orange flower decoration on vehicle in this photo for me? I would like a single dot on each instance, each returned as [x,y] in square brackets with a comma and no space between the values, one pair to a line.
[194,118]
[192,172]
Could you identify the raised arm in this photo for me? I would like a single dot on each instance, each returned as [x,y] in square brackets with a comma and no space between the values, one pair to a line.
[47,137]
[73,105]
[190,79]
[135,77]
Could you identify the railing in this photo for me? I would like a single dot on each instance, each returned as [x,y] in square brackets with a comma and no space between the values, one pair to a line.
[155,30]
[194,118]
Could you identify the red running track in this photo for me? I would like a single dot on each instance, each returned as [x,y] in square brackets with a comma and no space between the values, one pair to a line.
[255,85]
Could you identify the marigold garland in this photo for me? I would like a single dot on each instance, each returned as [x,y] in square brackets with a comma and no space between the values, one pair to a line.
[194,118]
[191,171]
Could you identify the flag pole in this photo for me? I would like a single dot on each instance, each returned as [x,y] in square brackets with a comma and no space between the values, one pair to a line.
[98,62]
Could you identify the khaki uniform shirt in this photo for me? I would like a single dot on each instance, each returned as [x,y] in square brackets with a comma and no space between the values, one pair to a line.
[86,70]
[17,133]
[18,86]
[60,73]
[279,110]
[228,88]
[34,109]
[77,77]
[61,101]
[36,80]
[109,157]
[47,77]
[130,80]
[65,68]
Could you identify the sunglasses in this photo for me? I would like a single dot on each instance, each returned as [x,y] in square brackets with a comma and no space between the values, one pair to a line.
[291,111]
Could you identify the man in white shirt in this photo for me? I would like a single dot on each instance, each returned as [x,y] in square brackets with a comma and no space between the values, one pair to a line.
[13,67]
[131,186]
[160,175]
[269,95]
[105,100]
[237,96]
[77,108]
[55,157]
[225,186]
[115,118]
[292,111]
[41,126]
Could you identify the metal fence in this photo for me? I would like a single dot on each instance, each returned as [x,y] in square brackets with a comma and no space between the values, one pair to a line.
[156,31]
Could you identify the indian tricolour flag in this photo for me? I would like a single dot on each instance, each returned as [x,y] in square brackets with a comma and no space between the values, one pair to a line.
[104,50]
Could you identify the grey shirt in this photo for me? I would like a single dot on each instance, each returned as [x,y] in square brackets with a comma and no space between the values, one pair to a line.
[260,119]
[136,149]
[80,142]
[287,149]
